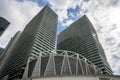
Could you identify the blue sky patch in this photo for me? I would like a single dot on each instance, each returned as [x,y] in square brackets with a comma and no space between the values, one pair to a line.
[43,3]
[73,13]
[60,27]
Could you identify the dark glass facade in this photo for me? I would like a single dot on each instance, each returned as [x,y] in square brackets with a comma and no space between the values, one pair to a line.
[38,36]
[3,25]
[81,37]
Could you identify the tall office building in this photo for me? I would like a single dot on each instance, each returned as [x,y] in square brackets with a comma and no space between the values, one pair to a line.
[81,37]
[3,25]
[7,51]
[38,36]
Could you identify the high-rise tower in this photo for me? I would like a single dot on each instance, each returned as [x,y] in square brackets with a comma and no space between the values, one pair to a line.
[81,37]
[3,25]
[38,36]
[7,52]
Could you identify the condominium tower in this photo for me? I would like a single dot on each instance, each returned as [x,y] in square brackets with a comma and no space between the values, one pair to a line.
[81,37]
[38,36]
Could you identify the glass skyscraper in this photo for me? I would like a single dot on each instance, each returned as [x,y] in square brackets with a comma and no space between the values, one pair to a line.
[81,37]
[38,36]
[3,25]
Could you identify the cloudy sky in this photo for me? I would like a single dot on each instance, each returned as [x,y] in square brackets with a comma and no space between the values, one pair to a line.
[104,15]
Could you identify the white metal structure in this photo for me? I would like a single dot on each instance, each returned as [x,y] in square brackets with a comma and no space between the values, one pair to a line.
[60,62]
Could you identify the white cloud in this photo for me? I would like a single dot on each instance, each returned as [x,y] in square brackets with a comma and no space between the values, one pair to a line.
[61,6]
[18,14]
